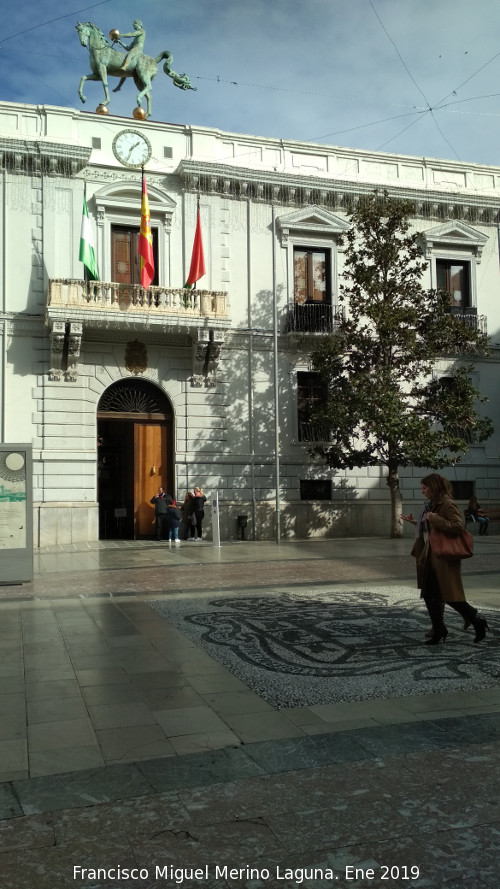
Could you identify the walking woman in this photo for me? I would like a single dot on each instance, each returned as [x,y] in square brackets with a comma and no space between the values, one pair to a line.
[440,580]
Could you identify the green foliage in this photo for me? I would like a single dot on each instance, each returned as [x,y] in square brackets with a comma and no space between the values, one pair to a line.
[386,404]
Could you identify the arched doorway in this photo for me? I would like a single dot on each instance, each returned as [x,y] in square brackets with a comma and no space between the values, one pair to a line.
[134,456]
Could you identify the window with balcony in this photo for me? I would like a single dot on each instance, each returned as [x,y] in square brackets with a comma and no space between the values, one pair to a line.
[309,239]
[454,276]
[454,251]
[312,289]
[311,393]
[125,259]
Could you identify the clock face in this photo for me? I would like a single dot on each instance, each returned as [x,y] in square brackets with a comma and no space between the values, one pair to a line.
[131,148]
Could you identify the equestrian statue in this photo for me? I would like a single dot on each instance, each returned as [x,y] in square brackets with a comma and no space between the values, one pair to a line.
[106,60]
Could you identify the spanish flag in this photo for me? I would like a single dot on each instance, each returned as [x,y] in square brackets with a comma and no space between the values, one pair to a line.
[146,240]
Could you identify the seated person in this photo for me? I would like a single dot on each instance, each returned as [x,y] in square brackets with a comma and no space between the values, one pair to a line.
[474,513]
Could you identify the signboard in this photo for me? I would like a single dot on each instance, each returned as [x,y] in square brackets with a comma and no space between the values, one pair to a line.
[16,514]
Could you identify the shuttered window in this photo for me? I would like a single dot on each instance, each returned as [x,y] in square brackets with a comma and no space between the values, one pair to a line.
[125,259]
[311,275]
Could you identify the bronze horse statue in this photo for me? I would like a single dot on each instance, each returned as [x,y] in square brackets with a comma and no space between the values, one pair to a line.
[105,60]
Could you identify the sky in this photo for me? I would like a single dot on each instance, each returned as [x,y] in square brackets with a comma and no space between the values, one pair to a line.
[417,77]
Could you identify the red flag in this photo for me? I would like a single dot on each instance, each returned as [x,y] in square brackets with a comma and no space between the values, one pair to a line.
[197,269]
[146,241]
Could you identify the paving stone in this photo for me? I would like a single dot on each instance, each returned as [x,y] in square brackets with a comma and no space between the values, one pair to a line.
[76,788]
[9,803]
[199,769]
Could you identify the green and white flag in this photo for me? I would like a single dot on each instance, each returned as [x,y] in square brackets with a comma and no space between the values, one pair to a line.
[87,251]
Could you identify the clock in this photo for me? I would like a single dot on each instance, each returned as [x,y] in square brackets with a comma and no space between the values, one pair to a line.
[131,148]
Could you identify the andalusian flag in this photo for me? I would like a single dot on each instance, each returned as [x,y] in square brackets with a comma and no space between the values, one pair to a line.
[87,250]
[146,241]
[197,269]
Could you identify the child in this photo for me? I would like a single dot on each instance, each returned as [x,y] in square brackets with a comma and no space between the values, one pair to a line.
[173,521]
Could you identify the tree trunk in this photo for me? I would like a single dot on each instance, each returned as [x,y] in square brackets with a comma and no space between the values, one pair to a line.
[396,501]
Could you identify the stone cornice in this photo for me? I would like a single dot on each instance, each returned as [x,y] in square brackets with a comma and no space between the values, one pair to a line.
[20,324]
[34,157]
[290,189]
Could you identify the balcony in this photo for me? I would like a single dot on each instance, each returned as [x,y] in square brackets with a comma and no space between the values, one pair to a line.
[309,433]
[312,318]
[75,308]
[101,303]
[471,319]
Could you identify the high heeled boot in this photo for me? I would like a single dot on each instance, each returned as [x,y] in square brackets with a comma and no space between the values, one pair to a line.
[435,608]
[480,626]
[470,614]
[438,634]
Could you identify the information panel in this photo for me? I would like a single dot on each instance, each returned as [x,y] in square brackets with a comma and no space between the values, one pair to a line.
[16,514]
[215,520]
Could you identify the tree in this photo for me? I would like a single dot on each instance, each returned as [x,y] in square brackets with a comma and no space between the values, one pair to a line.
[384,403]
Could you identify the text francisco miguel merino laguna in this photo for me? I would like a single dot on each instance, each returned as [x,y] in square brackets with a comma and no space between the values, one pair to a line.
[179,875]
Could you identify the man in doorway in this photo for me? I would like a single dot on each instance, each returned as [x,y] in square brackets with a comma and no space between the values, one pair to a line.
[160,502]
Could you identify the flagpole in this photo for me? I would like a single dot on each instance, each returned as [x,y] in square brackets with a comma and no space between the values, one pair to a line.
[85,271]
[87,249]
[276,380]
[197,267]
[197,213]
[146,254]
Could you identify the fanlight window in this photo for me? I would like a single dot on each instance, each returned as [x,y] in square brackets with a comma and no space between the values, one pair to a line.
[137,397]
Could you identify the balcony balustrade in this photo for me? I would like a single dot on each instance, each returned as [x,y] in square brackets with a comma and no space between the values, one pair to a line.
[310,433]
[95,302]
[471,319]
[312,318]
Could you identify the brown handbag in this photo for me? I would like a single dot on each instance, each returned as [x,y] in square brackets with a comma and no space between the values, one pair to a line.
[446,546]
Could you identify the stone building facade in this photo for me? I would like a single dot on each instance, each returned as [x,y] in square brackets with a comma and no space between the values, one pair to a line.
[120,389]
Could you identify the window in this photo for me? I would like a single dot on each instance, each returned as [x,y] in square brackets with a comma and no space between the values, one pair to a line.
[116,207]
[125,259]
[311,392]
[454,277]
[312,310]
[311,276]
[462,490]
[316,489]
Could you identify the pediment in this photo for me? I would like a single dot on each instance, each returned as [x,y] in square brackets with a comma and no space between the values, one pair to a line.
[455,232]
[128,195]
[312,220]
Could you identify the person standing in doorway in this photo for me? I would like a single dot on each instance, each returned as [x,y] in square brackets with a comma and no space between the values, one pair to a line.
[160,504]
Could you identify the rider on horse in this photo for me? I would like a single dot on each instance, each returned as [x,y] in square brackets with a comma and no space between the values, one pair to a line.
[137,45]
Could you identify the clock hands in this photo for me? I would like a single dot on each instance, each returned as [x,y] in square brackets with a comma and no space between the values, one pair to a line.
[131,150]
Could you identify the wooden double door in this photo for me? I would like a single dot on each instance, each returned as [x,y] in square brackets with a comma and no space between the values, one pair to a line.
[135,457]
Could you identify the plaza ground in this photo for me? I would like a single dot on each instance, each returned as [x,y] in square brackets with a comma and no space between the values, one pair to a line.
[124,744]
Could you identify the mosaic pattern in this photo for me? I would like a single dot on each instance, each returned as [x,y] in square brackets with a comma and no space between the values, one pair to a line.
[299,649]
